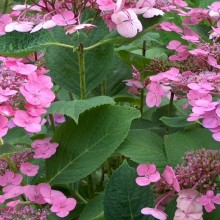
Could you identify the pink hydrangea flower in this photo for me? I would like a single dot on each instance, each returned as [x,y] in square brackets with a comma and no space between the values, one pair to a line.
[9,180]
[4,20]
[148,173]
[156,213]
[170,177]
[5,94]
[26,121]
[3,126]
[181,215]
[127,23]
[62,206]
[33,193]
[106,4]
[64,19]
[29,169]
[209,199]
[44,148]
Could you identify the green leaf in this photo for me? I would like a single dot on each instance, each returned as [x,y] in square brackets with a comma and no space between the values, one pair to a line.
[7,149]
[176,122]
[74,108]
[22,44]
[17,136]
[138,61]
[84,147]
[124,199]
[190,140]
[214,215]
[143,146]
[63,62]
[94,209]
[171,209]
[205,3]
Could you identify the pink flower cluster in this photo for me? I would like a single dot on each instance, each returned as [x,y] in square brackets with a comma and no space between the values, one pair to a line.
[188,182]
[21,85]
[38,194]
[46,14]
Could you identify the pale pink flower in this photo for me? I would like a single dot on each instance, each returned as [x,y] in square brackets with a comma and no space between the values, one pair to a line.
[187,201]
[4,20]
[26,121]
[73,28]
[127,23]
[43,25]
[64,19]
[181,215]
[156,213]
[154,95]
[170,177]
[29,169]
[148,173]
[208,200]
[22,26]
[9,180]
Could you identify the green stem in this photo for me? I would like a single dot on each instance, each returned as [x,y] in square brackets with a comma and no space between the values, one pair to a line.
[52,122]
[109,168]
[5,7]
[61,45]
[170,109]
[90,186]
[80,197]
[82,72]
[144,49]
[1,142]
[170,104]
[103,87]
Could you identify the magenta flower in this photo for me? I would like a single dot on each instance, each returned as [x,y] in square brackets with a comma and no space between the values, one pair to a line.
[209,199]
[62,206]
[37,94]
[26,121]
[170,178]
[14,192]
[9,180]
[147,173]
[156,213]
[6,93]
[43,148]
[33,193]
[106,4]
[29,169]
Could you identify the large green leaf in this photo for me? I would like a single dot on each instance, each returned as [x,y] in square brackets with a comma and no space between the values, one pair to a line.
[124,199]
[63,62]
[94,209]
[190,140]
[177,121]
[76,107]
[21,44]
[84,147]
[143,146]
